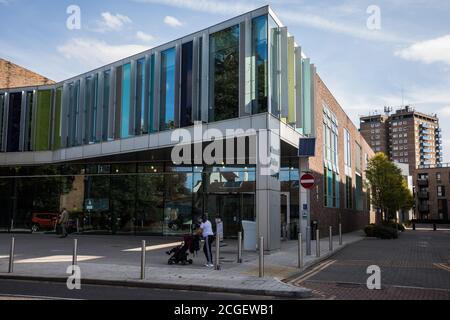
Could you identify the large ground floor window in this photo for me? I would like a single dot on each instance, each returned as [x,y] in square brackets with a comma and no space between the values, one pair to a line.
[126,198]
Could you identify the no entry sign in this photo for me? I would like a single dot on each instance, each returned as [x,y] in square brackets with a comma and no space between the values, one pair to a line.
[307,181]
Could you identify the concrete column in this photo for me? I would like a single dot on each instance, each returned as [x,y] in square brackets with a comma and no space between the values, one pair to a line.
[268,190]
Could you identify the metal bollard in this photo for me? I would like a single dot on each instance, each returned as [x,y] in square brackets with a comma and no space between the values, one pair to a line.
[239,257]
[143,259]
[340,234]
[331,239]
[308,241]
[11,256]
[75,252]
[217,266]
[317,243]
[261,257]
[300,251]
[78,226]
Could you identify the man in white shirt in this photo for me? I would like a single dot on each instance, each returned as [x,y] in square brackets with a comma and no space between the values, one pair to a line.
[208,235]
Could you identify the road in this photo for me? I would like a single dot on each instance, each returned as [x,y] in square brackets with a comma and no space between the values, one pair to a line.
[34,290]
[415,266]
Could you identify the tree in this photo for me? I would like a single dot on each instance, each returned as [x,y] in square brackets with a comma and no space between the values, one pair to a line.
[389,189]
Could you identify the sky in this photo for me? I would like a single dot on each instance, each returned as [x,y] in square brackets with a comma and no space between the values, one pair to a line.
[402,58]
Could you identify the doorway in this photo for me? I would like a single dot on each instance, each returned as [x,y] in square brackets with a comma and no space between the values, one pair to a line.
[232,209]
[285,215]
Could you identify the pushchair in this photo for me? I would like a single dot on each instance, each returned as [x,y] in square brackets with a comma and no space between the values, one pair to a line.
[179,254]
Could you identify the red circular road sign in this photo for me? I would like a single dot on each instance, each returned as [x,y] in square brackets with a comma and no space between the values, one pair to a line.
[307,181]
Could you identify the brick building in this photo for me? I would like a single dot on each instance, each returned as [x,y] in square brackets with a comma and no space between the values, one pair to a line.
[406,136]
[340,163]
[432,192]
[14,76]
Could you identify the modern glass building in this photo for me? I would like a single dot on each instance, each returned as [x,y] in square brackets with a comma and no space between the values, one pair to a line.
[100,144]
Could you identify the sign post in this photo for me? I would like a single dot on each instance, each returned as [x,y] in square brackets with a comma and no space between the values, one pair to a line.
[308,181]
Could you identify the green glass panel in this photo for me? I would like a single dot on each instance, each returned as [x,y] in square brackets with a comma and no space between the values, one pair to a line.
[57,125]
[43,113]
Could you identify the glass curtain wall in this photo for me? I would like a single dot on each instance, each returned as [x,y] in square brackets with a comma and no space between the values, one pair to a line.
[57,125]
[126,102]
[224,74]
[186,84]
[43,120]
[260,54]
[167,108]
[2,119]
[74,111]
[91,104]
[14,114]
[106,100]
[274,54]
[151,94]
[141,120]
[28,124]
[151,198]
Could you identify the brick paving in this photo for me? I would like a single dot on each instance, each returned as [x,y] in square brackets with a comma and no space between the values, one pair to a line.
[416,266]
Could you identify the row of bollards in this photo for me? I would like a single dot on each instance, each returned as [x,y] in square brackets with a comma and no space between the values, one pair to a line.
[308,244]
[217,258]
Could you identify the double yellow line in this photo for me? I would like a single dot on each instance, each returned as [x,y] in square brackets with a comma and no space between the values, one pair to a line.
[320,267]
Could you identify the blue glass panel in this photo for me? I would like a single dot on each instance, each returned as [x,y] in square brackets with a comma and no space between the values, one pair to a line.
[167,120]
[126,97]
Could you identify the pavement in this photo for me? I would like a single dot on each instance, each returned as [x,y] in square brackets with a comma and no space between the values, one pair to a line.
[414,267]
[115,260]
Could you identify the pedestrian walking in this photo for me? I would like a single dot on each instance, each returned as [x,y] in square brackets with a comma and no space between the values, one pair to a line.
[63,221]
[207,233]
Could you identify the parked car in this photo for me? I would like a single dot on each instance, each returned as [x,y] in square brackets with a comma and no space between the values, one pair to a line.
[43,221]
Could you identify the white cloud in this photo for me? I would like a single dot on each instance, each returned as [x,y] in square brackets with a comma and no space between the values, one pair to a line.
[93,53]
[428,51]
[209,6]
[172,22]
[444,111]
[145,37]
[113,22]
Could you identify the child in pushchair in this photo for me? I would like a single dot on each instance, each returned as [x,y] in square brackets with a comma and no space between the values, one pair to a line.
[191,244]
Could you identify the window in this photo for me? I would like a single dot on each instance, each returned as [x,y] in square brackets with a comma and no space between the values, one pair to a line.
[43,115]
[358,158]
[441,191]
[274,44]
[347,148]
[141,109]
[106,131]
[186,84]
[167,119]
[15,108]
[359,193]
[151,95]
[74,111]
[2,118]
[438,177]
[224,74]
[348,193]
[57,126]
[125,128]
[28,130]
[260,53]
[91,103]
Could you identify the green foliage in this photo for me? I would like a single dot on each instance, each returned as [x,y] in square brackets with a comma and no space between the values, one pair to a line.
[389,189]
[381,231]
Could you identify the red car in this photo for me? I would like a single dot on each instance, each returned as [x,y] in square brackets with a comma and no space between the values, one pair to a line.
[43,221]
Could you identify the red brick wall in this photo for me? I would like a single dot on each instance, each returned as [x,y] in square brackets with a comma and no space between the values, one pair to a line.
[351,218]
[14,76]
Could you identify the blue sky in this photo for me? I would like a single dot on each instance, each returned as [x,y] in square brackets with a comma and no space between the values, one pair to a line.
[365,69]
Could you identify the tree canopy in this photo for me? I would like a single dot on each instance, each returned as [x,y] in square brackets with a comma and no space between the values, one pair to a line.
[389,188]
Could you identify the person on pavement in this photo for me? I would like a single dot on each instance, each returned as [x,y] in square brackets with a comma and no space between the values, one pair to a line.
[63,221]
[207,233]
